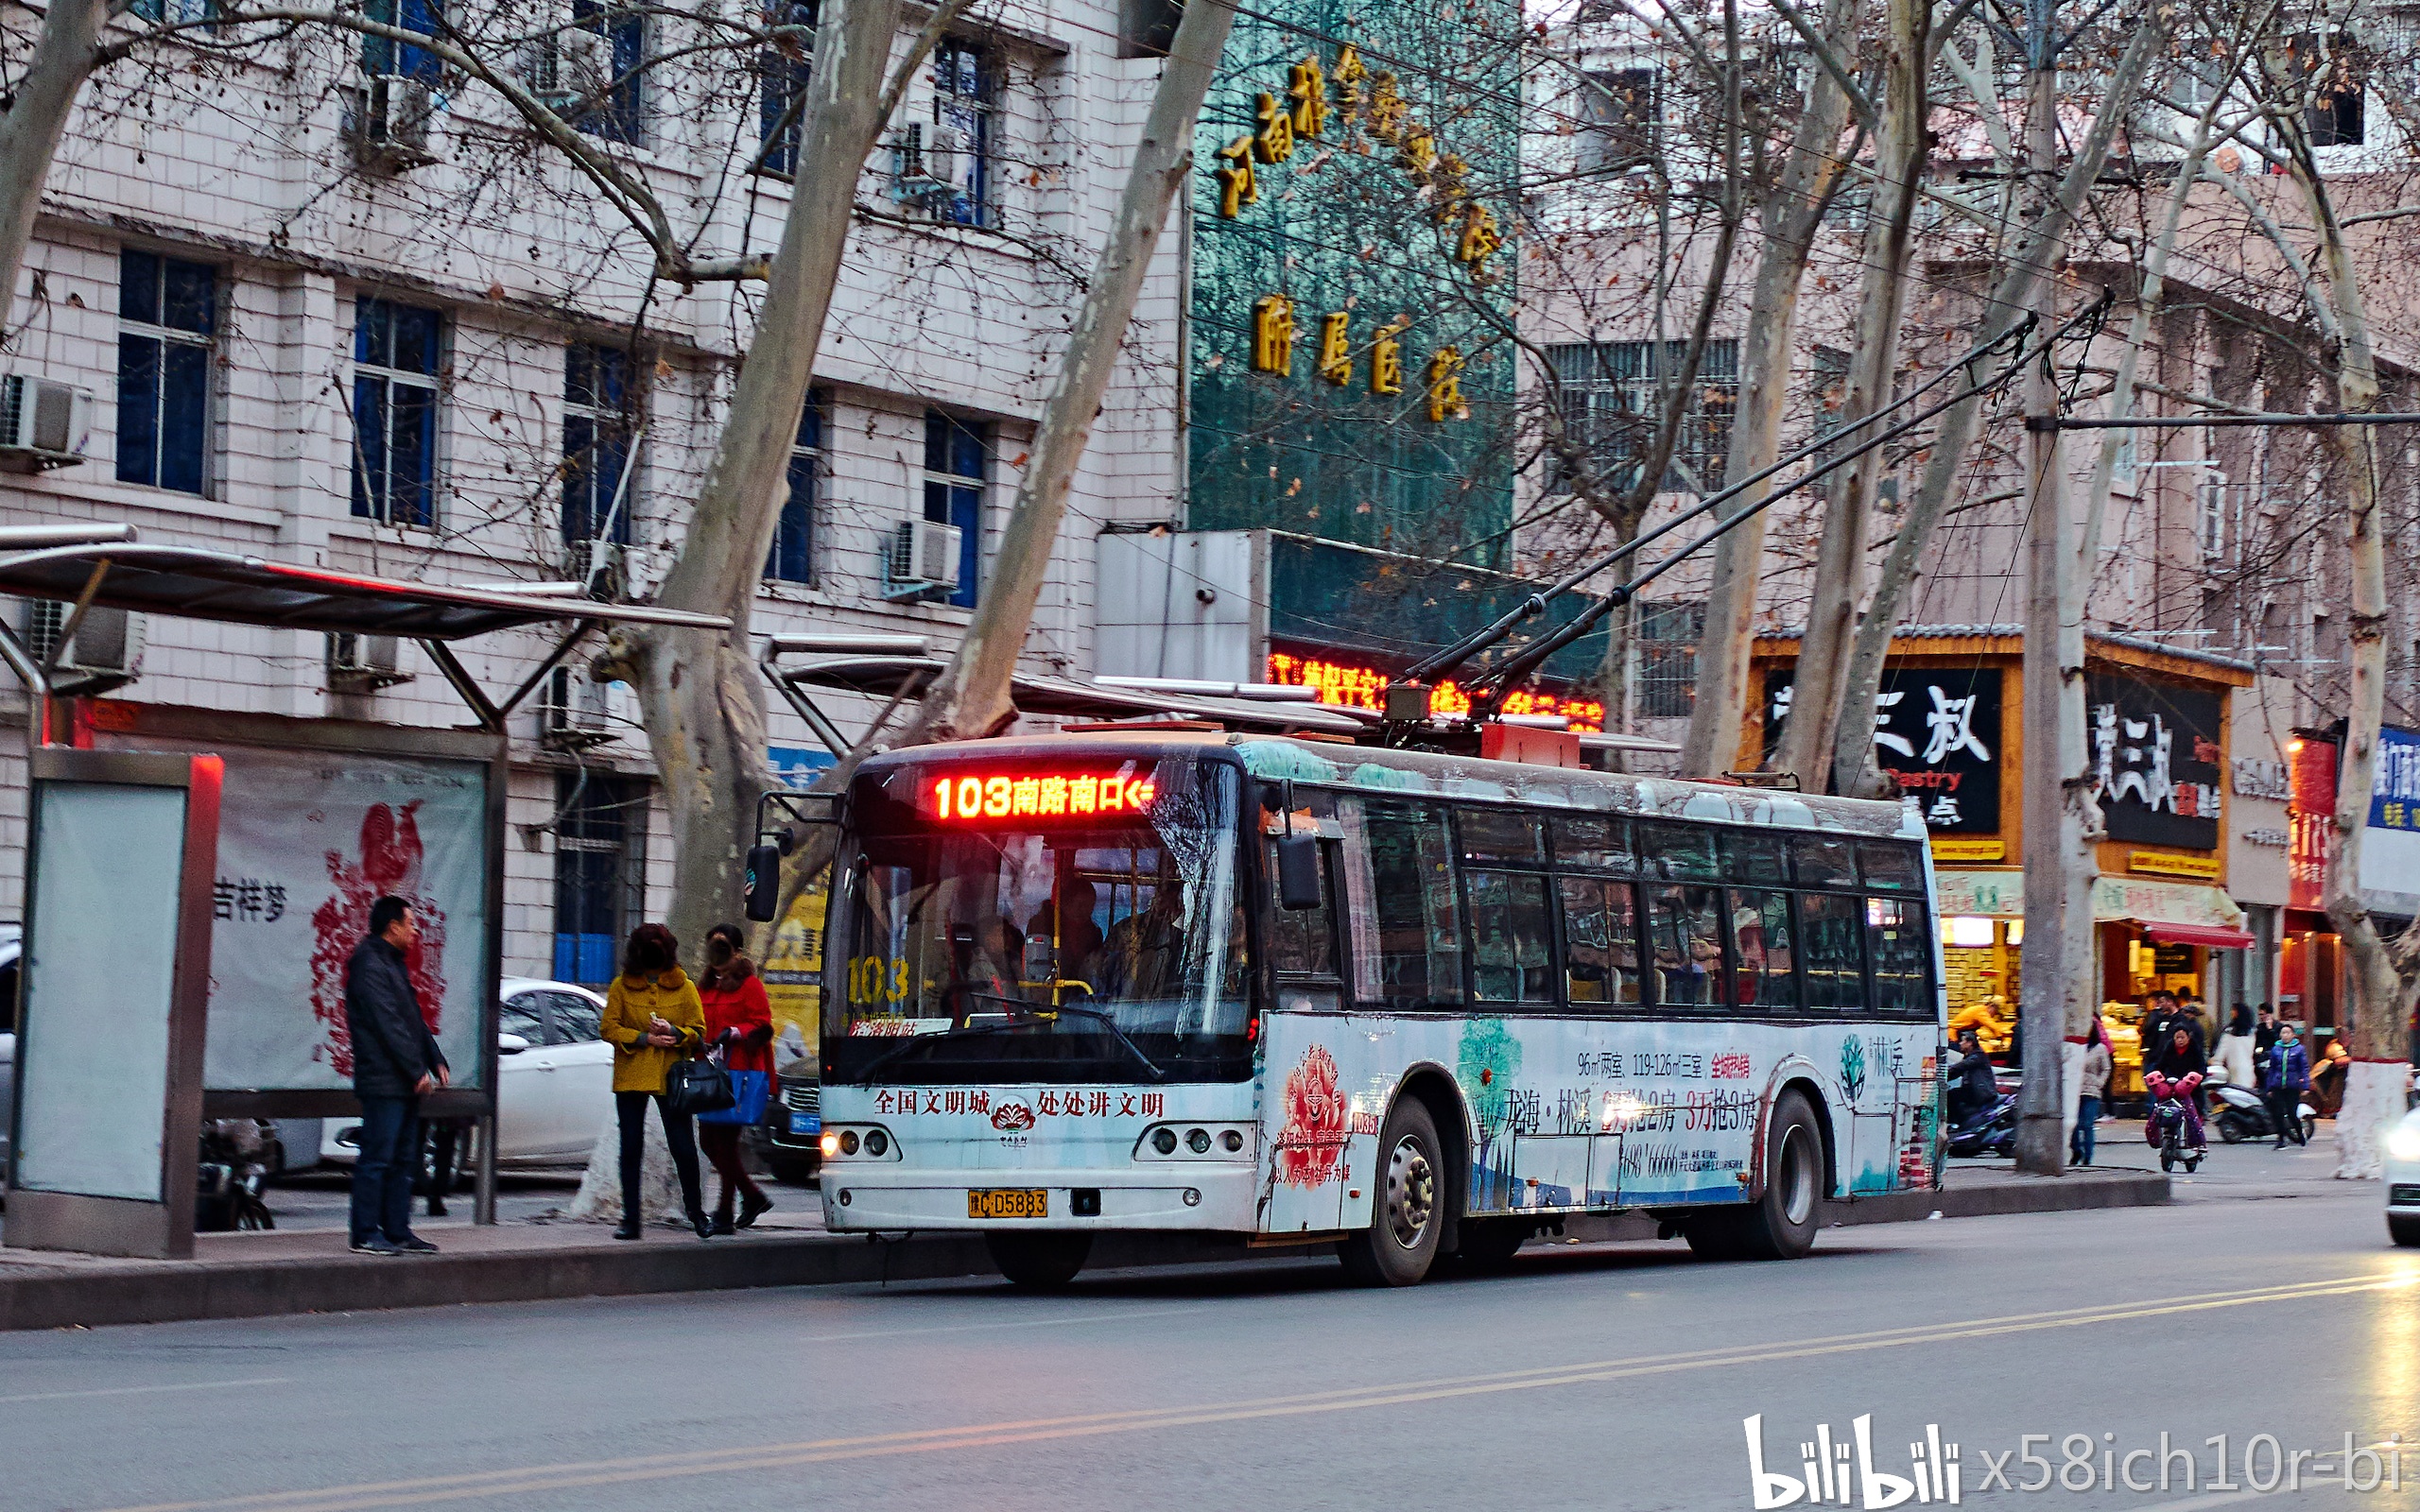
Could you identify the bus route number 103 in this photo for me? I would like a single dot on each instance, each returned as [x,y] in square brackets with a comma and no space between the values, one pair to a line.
[876,979]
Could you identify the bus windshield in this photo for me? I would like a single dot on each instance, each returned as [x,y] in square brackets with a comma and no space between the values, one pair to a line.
[1076,921]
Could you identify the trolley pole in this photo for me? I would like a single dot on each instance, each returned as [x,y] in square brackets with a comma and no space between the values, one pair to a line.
[2053,690]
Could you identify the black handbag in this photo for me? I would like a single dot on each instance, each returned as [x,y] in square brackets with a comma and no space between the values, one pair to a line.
[694,1087]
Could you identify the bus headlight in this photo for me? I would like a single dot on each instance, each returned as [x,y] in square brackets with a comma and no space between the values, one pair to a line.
[1195,1142]
[831,1144]
[2403,1142]
[1164,1140]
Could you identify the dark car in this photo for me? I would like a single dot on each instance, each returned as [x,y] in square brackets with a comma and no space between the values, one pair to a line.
[794,1124]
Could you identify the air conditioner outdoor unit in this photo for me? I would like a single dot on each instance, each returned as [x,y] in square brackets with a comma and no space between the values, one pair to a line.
[926,162]
[43,423]
[923,561]
[364,663]
[567,66]
[105,653]
[597,565]
[571,713]
[386,120]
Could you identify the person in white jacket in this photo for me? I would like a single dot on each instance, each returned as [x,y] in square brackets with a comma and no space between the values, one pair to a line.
[2235,1048]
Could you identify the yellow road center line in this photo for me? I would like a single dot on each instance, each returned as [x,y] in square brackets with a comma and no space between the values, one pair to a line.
[566,1477]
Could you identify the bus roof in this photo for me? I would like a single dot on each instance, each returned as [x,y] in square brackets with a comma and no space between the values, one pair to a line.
[1417,773]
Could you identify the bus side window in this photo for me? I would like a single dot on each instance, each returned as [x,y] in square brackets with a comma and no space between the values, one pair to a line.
[1419,916]
[1822,860]
[1891,866]
[1766,948]
[1600,941]
[1304,940]
[1685,925]
[1831,948]
[1899,943]
[1511,942]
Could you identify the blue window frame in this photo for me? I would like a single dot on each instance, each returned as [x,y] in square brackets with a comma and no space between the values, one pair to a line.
[781,75]
[967,96]
[176,12]
[598,443]
[600,872]
[386,56]
[792,559]
[620,115]
[955,456]
[167,321]
[396,350]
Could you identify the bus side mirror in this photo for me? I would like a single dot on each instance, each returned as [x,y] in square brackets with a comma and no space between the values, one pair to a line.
[763,881]
[1298,872]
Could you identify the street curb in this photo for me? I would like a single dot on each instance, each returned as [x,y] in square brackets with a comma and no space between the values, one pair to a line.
[190,1291]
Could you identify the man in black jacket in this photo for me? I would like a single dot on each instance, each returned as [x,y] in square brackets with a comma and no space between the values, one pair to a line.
[395,1062]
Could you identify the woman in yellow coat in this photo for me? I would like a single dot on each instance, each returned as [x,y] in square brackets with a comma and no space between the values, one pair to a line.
[653,1018]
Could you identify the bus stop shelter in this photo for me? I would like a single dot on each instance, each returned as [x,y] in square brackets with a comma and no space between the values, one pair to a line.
[195,878]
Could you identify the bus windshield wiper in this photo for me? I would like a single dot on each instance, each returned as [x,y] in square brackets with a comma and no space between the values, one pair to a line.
[1021,1015]
[865,1077]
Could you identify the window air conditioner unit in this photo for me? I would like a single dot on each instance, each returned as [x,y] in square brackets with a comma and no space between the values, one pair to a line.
[385,121]
[928,163]
[923,561]
[364,663]
[43,423]
[567,67]
[571,711]
[598,566]
[105,653]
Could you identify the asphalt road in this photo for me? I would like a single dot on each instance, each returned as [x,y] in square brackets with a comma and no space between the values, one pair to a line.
[1613,1378]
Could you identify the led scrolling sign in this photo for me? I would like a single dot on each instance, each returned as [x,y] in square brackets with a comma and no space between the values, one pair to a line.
[972,799]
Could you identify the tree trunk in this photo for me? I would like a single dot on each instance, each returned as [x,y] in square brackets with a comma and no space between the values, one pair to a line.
[2382,973]
[972,696]
[65,55]
[698,691]
[1900,151]
[1944,469]
[1788,219]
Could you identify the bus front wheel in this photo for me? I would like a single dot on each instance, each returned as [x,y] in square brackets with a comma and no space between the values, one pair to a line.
[1781,1224]
[1039,1262]
[1401,1242]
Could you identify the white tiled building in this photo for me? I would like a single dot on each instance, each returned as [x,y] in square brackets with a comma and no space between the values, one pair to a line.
[246,302]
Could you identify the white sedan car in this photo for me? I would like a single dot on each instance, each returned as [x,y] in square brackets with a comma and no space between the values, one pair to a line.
[554,1078]
[2403,1179]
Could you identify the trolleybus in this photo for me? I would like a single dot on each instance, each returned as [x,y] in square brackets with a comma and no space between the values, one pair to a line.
[1404,1004]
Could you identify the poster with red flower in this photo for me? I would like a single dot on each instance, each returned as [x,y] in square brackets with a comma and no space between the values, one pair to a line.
[307,843]
[1318,1122]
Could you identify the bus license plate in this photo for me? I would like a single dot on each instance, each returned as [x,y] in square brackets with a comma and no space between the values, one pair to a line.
[1009,1202]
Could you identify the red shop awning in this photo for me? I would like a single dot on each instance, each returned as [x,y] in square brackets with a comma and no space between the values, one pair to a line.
[2209,935]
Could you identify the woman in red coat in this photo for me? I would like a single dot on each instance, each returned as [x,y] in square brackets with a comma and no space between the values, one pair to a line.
[740,1020]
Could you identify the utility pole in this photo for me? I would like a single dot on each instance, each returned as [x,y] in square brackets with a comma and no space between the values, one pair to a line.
[2058,882]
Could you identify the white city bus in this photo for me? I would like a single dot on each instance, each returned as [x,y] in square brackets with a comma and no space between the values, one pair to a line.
[1404,1004]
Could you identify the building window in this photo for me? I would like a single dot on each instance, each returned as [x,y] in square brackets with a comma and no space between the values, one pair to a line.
[792,559]
[396,350]
[1611,398]
[601,873]
[176,12]
[598,439]
[954,454]
[2334,118]
[618,111]
[1616,120]
[966,98]
[781,73]
[1667,659]
[168,315]
[383,56]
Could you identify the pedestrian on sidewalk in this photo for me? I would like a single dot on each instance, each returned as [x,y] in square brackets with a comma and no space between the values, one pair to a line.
[652,1018]
[2288,1079]
[2092,1089]
[2263,1039]
[740,1020]
[2236,1046]
[395,1063]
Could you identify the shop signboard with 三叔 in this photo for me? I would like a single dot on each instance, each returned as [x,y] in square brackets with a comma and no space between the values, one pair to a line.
[1937,729]
[2156,761]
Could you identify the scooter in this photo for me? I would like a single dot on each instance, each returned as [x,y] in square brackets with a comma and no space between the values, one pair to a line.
[1990,1130]
[2168,1125]
[2244,1116]
[236,1162]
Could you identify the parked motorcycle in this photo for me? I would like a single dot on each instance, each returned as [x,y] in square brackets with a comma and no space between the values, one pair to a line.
[239,1156]
[2242,1115]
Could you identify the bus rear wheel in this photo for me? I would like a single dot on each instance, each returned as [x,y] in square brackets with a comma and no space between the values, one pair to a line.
[1781,1224]
[1400,1244]
[1039,1262]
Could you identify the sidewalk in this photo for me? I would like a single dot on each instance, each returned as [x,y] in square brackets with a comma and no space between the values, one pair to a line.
[2250,1170]
[307,1269]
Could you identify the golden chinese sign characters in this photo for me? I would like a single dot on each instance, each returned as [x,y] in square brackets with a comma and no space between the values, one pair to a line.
[1375,102]
[1273,335]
